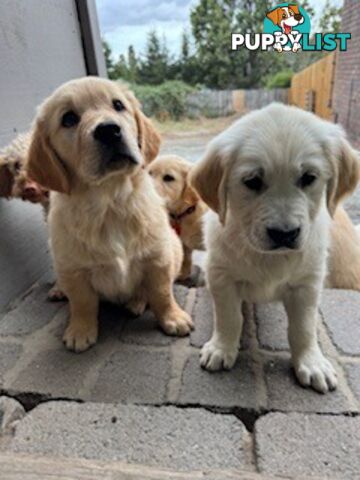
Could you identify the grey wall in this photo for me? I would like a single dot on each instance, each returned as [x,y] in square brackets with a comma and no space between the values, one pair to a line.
[41,46]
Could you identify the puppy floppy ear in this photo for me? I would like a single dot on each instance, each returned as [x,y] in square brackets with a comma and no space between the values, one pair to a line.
[274,16]
[6,179]
[189,195]
[295,9]
[148,138]
[209,179]
[345,163]
[44,166]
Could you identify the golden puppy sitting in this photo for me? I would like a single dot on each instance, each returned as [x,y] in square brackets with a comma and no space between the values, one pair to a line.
[186,209]
[109,232]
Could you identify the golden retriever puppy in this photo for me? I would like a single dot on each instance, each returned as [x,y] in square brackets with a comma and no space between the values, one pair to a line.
[273,180]
[344,254]
[109,231]
[186,210]
[14,183]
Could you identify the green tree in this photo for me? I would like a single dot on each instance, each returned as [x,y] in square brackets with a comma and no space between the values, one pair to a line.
[185,47]
[108,58]
[212,23]
[132,65]
[330,20]
[120,69]
[154,68]
[305,4]
[187,67]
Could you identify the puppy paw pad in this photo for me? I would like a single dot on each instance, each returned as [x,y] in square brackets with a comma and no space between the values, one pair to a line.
[178,326]
[78,340]
[314,370]
[56,295]
[136,307]
[215,357]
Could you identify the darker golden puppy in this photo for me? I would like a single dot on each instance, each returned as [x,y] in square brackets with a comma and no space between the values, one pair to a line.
[186,210]
[110,235]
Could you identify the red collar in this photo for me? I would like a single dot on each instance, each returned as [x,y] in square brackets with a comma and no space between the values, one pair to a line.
[183,214]
[176,219]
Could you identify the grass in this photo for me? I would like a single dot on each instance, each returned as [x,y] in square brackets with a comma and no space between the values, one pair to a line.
[198,126]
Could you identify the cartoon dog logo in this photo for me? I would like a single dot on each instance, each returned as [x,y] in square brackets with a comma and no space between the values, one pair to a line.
[286,18]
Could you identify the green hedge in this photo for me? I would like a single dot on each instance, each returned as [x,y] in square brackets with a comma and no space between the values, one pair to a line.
[165,101]
[280,80]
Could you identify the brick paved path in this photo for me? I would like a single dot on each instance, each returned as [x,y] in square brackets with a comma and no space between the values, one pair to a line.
[143,389]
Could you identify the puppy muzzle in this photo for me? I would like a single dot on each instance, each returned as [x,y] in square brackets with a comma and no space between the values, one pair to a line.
[115,152]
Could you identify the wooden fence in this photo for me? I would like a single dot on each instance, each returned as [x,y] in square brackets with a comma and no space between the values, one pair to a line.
[210,103]
[257,98]
[220,103]
[312,88]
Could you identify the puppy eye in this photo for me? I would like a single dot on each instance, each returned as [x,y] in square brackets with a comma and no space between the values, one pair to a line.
[168,178]
[307,179]
[284,15]
[254,183]
[70,119]
[118,105]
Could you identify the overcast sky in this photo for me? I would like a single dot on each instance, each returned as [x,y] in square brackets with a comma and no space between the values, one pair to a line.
[127,22]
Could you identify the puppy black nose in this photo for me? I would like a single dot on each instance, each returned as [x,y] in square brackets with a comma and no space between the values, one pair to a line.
[108,133]
[298,17]
[283,238]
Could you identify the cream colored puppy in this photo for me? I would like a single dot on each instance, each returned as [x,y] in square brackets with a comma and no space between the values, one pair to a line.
[110,235]
[272,179]
[186,210]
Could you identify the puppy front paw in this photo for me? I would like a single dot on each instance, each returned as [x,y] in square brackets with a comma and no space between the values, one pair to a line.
[55,294]
[79,338]
[178,324]
[136,306]
[314,370]
[215,356]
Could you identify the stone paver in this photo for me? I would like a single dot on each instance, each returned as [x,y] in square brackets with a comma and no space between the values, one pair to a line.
[236,388]
[9,354]
[204,321]
[307,445]
[32,313]
[353,373]
[135,364]
[57,372]
[272,326]
[131,375]
[144,330]
[341,311]
[286,394]
[11,412]
[169,437]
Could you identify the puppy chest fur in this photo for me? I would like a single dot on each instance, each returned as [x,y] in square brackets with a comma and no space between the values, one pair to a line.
[110,236]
